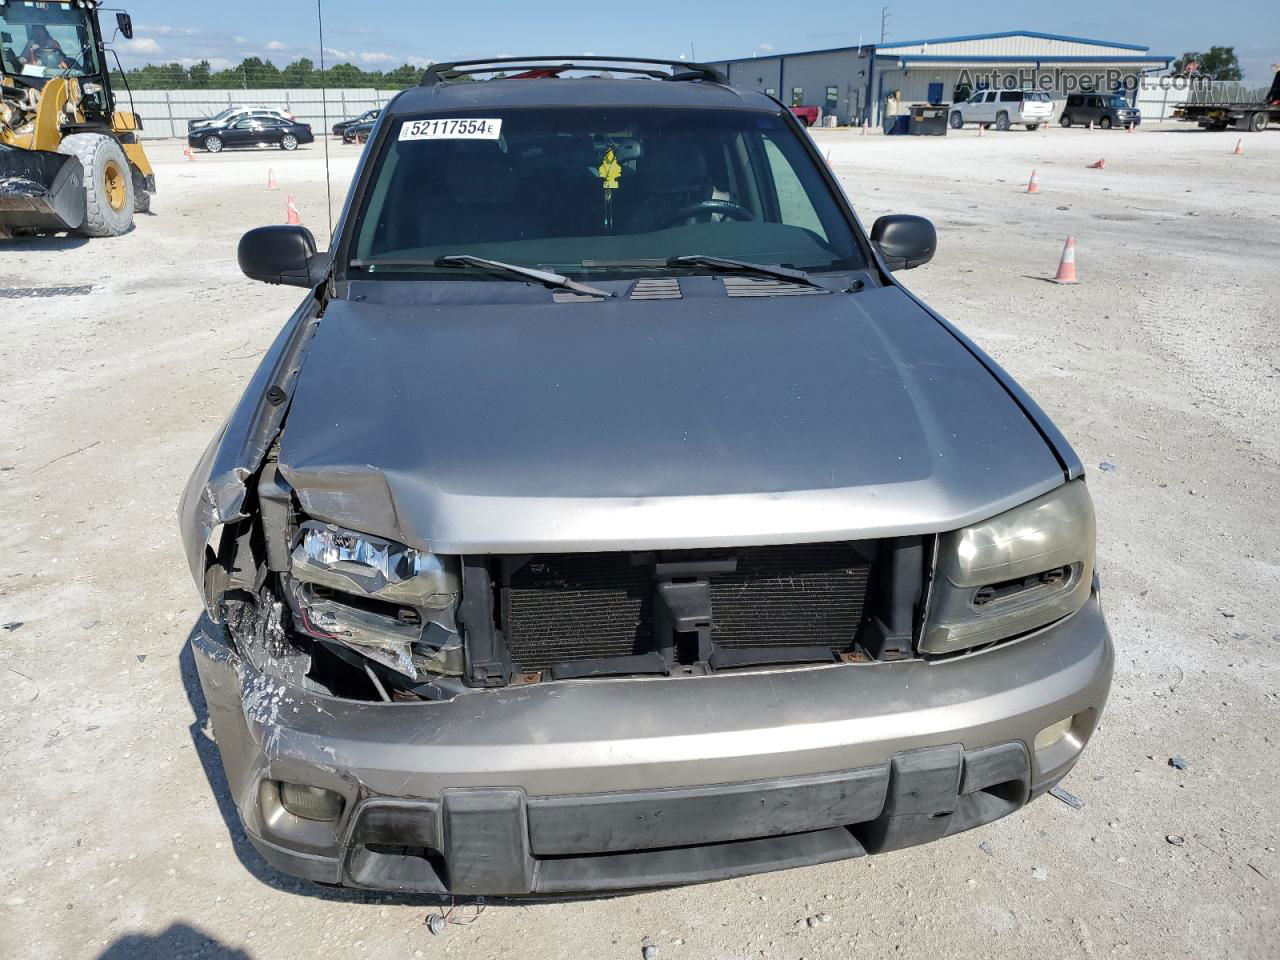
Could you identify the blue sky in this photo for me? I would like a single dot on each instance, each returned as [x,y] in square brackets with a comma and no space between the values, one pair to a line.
[380,34]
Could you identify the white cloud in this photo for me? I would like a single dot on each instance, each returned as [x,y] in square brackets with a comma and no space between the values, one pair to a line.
[165,30]
[375,56]
[276,45]
[764,48]
[340,54]
[239,39]
[420,62]
[215,63]
[140,45]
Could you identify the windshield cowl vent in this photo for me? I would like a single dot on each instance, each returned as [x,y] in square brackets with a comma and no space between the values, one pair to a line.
[766,287]
[656,288]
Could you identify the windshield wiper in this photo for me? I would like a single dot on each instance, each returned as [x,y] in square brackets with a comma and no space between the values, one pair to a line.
[496,267]
[719,264]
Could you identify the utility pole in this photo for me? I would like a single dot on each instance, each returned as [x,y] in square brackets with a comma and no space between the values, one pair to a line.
[884,24]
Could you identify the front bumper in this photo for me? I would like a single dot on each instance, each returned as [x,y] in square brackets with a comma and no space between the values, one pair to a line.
[640,782]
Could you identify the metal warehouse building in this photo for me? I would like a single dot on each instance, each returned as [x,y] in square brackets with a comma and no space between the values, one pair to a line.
[852,83]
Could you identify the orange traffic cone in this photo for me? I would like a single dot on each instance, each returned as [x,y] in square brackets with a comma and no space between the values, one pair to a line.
[1090,124]
[828,158]
[186,152]
[1130,129]
[1239,148]
[271,180]
[291,213]
[1033,185]
[866,125]
[1100,165]
[1067,265]
[981,127]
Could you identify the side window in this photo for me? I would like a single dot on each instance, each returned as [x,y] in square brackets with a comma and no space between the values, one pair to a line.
[244,123]
[793,202]
[797,96]
[990,97]
[1011,96]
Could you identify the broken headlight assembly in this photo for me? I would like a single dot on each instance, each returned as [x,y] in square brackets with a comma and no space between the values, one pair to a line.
[1011,574]
[388,602]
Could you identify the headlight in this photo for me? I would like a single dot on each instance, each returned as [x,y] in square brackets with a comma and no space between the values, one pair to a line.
[363,564]
[389,602]
[1012,573]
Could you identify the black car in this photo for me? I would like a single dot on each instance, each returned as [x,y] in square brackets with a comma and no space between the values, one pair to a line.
[340,128]
[359,131]
[254,130]
[1107,110]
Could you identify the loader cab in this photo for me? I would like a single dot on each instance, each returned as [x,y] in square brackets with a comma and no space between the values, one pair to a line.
[42,40]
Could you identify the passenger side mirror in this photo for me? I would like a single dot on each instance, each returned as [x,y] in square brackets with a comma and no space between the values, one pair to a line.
[282,254]
[904,241]
[124,23]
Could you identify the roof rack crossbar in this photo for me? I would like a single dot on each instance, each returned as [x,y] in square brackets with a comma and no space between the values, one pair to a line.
[680,69]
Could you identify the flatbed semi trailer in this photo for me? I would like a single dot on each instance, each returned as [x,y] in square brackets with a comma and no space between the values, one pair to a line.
[1253,115]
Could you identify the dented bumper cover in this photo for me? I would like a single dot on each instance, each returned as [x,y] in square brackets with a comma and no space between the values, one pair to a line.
[641,782]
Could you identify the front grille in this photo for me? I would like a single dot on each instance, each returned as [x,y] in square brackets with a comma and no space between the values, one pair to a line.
[565,608]
[807,596]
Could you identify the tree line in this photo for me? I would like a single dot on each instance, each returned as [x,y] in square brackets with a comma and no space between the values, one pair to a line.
[254,73]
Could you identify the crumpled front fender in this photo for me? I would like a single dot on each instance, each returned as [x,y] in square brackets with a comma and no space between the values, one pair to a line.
[216,493]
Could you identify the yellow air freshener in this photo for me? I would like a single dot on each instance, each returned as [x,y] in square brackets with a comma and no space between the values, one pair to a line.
[610,170]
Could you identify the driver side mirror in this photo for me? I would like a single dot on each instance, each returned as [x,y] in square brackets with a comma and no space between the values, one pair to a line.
[282,254]
[124,23]
[904,241]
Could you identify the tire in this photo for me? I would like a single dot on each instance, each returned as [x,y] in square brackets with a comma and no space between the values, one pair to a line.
[108,184]
[213,144]
[957,120]
[141,195]
[1065,120]
[289,142]
[1033,127]
[1002,120]
[1105,123]
[1258,122]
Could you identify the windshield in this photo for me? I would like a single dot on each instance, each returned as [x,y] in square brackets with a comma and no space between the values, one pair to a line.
[46,40]
[554,187]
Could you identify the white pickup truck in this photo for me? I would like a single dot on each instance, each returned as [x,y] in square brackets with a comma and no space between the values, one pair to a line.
[1003,108]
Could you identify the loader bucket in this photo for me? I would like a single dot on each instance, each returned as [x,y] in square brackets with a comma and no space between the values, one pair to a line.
[40,190]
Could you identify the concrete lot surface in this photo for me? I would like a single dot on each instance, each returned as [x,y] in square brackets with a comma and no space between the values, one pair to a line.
[1162,367]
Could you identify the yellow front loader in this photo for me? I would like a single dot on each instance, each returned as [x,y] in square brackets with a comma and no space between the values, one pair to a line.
[69,160]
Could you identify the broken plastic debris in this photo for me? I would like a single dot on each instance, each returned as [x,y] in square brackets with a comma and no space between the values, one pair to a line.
[648,951]
[1106,466]
[1040,873]
[13,626]
[1175,839]
[1178,763]
[1070,799]
[986,848]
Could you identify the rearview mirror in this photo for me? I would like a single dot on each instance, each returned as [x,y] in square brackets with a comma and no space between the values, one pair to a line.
[282,254]
[124,23]
[904,241]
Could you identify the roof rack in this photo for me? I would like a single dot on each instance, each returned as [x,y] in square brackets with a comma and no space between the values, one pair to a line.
[542,66]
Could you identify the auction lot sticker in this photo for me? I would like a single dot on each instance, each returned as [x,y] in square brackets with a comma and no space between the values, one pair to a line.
[453,129]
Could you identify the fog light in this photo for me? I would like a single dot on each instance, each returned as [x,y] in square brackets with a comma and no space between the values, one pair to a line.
[1050,735]
[313,803]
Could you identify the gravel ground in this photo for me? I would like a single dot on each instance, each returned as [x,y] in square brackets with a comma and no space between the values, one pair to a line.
[1162,367]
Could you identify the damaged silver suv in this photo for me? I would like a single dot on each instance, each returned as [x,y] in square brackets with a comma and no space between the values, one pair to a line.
[607,516]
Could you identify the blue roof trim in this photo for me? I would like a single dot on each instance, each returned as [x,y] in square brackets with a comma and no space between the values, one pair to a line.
[1014,33]
[959,58]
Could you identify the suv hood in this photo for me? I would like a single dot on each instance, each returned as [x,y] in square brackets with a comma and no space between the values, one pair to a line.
[503,427]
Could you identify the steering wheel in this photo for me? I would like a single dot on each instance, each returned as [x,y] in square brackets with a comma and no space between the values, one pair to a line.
[734,211]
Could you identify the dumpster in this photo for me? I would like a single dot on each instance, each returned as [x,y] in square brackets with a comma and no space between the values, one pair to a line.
[900,124]
[927,120]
